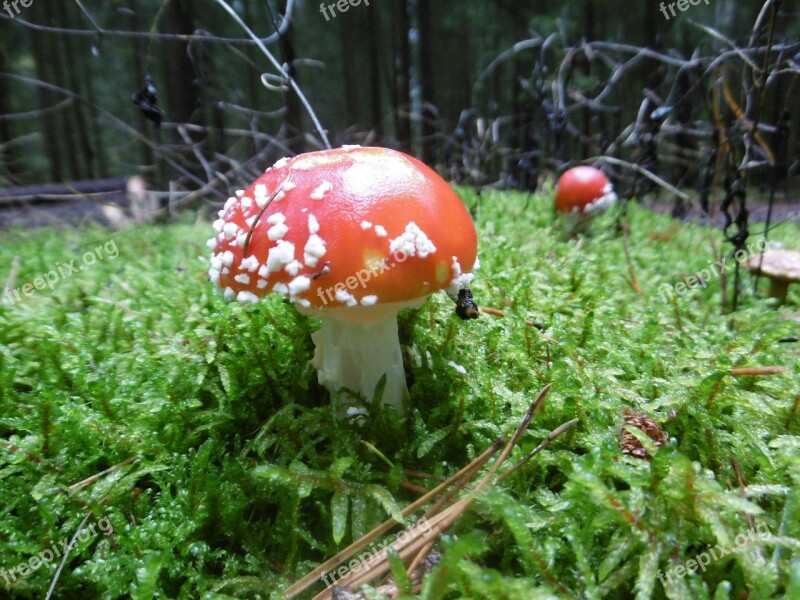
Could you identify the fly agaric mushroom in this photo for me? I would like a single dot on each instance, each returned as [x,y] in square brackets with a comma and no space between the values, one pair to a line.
[782,267]
[350,236]
[582,193]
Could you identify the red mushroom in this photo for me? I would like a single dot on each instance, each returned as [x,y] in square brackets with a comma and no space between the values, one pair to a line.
[583,193]
[350,236]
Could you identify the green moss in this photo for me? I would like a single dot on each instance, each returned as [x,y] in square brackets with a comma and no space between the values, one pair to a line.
[244,480]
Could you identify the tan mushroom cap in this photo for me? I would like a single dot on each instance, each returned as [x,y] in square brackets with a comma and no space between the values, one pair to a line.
[779,264]
[782,267]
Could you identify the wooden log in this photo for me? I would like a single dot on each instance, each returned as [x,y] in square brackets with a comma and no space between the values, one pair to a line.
[54,192]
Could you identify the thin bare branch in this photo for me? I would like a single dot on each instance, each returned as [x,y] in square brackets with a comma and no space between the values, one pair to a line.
[153,35]
[280,69]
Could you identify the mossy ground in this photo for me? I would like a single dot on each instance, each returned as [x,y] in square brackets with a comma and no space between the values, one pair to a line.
[243,480]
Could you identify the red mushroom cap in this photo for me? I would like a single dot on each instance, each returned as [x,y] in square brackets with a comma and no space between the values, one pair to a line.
[349,226]
[584,190]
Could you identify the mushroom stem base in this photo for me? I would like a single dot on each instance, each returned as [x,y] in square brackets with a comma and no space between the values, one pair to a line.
[577,223]
[778,289]
[354,356]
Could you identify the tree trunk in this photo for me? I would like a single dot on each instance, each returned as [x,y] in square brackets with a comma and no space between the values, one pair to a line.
[183,93]
[51,126]
[588,20]
[428,116]
[294,109]
[7,157]
[146,155]
[402,74]
[373,37]
[652,25]
[82,142]
[254,87]
[724,19]
[58,68]
[182,83]
[351,80]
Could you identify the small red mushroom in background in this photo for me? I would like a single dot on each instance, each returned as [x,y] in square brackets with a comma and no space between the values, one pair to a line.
[351,236]
[582,193]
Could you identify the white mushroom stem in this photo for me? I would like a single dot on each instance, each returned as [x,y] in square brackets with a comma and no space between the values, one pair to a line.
[355,347]
[578,222]
[356,355]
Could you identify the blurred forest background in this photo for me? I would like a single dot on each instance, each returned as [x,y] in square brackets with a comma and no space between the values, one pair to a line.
[493,92]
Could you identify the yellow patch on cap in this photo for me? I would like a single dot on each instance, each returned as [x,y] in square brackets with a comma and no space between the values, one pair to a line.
[442,272]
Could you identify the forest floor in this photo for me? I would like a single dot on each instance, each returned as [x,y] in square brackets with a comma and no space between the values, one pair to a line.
[759,211]
[185,446]
[54,205]
[41,208]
